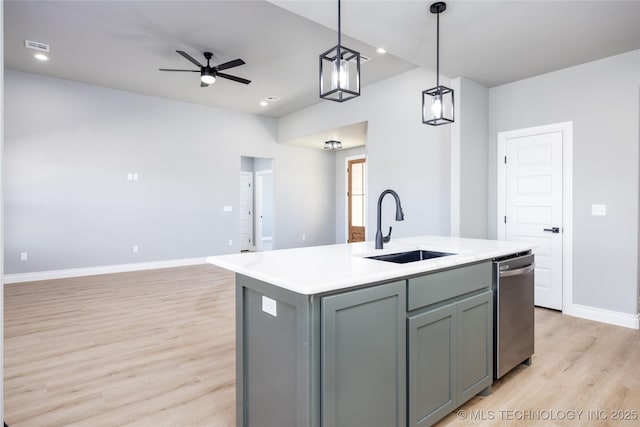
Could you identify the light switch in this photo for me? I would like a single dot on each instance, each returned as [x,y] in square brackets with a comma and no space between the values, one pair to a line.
[227,209]
[270,306]
[598,210]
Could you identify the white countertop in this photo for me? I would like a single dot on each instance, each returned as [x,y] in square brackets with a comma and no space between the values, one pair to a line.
[320,269]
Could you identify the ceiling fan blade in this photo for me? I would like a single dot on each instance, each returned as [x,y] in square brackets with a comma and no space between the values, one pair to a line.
[170,69]
[189,58]
[203,84]
[234,78]
[230,64]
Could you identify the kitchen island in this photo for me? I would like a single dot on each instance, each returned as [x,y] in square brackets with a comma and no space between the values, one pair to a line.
[328,337]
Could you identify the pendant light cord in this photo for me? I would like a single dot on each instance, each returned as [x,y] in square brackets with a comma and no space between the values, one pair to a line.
[437,50]
[339,38]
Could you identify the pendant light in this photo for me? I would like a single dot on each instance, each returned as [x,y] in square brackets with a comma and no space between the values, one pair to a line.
[437,102]
[339,71]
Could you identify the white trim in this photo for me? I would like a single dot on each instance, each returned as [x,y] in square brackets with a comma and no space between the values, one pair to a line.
[455,172]
[567,197]
[346,191]
[605,316]
[259,188]
[103,269]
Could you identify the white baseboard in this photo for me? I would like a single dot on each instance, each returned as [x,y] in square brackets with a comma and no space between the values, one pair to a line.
[605,316]
[105,269]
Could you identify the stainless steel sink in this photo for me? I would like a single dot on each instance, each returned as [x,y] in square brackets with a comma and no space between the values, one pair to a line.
[411,256]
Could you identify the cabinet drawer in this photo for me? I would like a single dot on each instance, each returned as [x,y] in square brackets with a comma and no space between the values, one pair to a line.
[440,286]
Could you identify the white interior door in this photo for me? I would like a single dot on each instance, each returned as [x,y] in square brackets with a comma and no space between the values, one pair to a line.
[533,207]
[246,211]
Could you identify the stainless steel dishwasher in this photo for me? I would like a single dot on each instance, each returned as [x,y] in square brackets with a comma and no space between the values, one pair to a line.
[513,312]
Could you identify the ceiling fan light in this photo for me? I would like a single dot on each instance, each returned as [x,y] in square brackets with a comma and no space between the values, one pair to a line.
[207,78]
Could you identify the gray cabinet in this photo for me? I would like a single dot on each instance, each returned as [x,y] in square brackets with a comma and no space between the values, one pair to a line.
[432,365]
[395,354]
[450,356]
[363,357]
[475,345]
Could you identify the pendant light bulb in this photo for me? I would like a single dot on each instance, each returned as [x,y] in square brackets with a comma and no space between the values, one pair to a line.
[340,75]
[436,107]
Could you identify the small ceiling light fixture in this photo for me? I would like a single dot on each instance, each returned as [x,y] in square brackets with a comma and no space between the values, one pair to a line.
[207,77]
[332,145]
[41,57]
[437,102]
[381,50]
[263,103]
[339,71]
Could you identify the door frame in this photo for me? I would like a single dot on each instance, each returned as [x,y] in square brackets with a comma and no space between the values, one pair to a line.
[252,231]
[257,209]
[346,194]
[567,196]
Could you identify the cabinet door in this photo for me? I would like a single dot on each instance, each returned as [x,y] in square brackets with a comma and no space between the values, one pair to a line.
[364,357]
[432,365]
[475,345]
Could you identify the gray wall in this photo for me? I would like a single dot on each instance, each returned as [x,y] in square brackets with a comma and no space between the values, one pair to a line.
[469,149]
[402,153]
[69,147]
[602,100]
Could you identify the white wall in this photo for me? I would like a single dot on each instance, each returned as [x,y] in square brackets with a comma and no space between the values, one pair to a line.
[402,153]
[602,100]
[69,147]
[469,148]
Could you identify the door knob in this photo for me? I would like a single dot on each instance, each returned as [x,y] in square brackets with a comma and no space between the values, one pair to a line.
[553,229]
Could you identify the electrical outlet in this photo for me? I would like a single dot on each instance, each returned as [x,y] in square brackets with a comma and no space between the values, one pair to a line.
[135,249]
[129,176]
[599,210]
[270,306]
[23,256]
[230,242]
[227,209]
[135,176]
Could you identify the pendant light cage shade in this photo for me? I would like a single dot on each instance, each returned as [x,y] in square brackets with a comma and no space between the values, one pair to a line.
[437,106]
[437,102]
[339,74]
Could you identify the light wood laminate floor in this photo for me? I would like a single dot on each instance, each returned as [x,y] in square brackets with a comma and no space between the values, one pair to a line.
[156,348]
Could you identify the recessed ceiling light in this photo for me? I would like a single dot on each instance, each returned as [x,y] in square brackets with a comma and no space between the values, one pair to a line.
[264,103]
[381,50]
[41,57]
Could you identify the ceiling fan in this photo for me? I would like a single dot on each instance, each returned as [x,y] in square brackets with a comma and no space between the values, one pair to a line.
[208,73]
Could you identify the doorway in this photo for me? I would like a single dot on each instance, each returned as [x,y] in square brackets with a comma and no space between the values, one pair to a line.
[256,204]
[356,199]
[535,204]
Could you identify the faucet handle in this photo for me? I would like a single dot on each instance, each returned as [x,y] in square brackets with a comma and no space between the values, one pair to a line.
[386,238]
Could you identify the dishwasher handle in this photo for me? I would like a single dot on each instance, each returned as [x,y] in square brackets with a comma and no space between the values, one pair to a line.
[523,270]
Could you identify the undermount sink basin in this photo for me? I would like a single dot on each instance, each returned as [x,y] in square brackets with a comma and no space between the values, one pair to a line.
[411,256]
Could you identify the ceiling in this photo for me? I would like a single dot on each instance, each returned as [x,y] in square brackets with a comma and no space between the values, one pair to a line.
[121,44]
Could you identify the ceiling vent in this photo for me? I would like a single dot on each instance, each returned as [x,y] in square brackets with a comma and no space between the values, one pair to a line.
[42,47]
[272,99]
